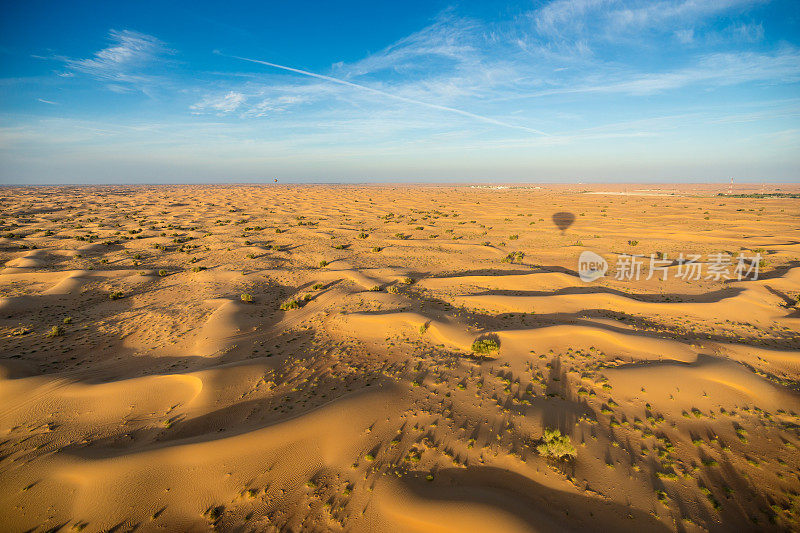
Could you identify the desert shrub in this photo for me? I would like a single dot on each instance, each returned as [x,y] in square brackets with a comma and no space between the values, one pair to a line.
[514,257]
[363,235]
[323,264]
[68,320]
[246,297]
[513,237]
[423,328]
[116,295]
[376,249]
[290,304]
[633,243]
[485,346]
[198,268]
[317,286]
[162,273]
[375,288]
[409,281]
[251,255]
[556,445]
[393,289]
[55,331]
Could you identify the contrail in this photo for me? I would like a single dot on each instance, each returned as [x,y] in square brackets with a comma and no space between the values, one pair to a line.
[394,96]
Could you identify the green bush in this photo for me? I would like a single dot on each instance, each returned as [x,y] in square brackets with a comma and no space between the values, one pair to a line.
[485,346]
[247,298]
[556,445]
[290,304]
[55,331]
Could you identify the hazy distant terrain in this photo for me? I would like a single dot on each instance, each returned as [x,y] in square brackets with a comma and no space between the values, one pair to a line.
[394,358]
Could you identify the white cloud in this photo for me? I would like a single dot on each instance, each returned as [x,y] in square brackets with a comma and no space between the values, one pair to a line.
[572,20]
[750,33]
[124,63]
[225,103]
[449,40]
[685,36]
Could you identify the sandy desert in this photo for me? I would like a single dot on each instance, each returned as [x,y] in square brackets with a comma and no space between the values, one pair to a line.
[395,358]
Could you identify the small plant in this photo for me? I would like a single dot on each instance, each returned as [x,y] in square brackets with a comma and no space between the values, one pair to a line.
[376,249]
[633,243]
[246,297]
[162,273]
[198,268]
[485,346]
[290,304]
[375,288]
[514,257]
[317,286]
[393,289]
[68,320]
[409,281]
[55,331]
[423,328]
[251,255]
[323,264]
[363,235]
[556,445]
[513,237]
[116,295]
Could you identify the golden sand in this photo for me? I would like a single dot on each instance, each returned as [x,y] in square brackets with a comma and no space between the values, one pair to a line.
[300,358]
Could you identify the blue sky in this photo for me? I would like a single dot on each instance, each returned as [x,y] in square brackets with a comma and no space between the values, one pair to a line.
[539,91]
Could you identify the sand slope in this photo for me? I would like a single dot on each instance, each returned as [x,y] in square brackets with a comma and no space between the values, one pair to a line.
[300,358]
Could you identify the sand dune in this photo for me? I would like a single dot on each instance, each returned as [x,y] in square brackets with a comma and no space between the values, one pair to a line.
[385,358]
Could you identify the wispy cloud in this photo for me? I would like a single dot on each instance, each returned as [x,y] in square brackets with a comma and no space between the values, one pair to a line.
[225,103]
[125,62]
[720,69]
[611,19]
[448,42]
[42,100]
[392,96]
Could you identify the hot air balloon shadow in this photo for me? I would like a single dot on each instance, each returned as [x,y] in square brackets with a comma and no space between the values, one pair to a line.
[563,220]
